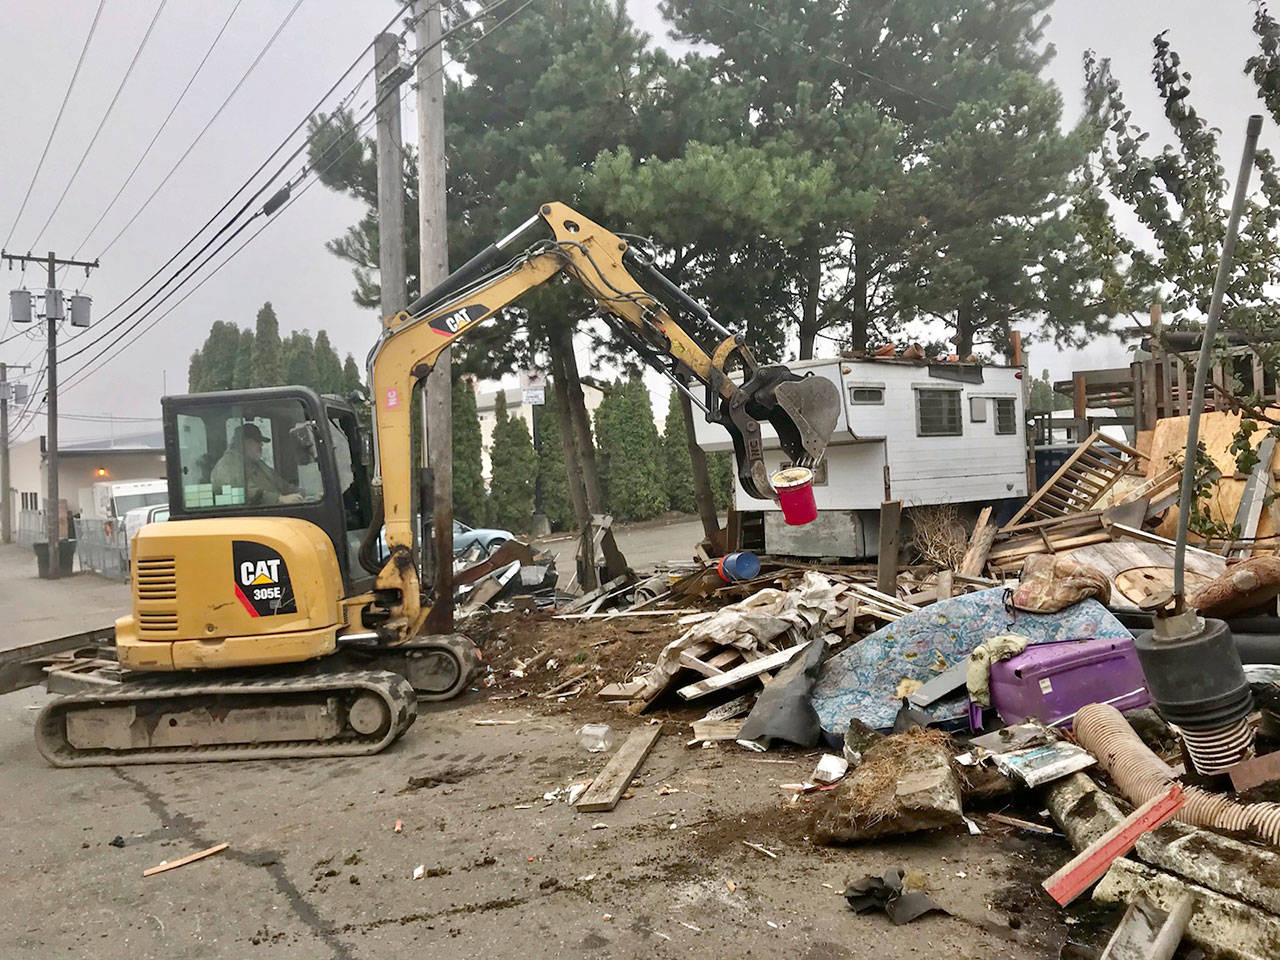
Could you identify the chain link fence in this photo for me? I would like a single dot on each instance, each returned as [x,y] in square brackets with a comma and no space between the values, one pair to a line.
[106,554]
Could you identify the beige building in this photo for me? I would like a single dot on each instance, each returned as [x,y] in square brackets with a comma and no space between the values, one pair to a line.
[516,407]
[81,463]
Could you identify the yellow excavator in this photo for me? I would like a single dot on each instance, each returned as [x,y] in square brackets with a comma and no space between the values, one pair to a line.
[271,617]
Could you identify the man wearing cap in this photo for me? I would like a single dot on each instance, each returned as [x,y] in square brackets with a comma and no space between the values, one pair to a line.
[242,465]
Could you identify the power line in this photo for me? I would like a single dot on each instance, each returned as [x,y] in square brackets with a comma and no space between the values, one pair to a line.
[84,371]
[137,54]
[56,121]
[205,129]
[119,344]
[159,130]
[247,181]
[270,208]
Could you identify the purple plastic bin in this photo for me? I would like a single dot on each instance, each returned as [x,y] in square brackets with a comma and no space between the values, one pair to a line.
[1051,681]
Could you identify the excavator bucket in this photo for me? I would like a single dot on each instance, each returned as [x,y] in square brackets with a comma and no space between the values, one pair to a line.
[803,410]
[806,413]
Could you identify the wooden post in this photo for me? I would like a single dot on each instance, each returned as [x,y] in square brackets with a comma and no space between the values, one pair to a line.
[433,267]
[887,558]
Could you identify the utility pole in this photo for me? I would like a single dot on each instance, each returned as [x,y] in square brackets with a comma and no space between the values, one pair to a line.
[389,73]
[433,267]
[53,314]
[6,510]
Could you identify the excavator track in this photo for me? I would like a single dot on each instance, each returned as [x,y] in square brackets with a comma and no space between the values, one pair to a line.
[439,666]
[228,718]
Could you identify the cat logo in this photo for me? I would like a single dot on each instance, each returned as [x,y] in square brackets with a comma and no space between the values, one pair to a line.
[457,321]
[262,580]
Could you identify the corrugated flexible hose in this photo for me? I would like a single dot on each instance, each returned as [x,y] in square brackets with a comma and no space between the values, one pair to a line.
[1141,775]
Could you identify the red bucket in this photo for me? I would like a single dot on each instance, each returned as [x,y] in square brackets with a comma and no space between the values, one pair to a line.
[795,495]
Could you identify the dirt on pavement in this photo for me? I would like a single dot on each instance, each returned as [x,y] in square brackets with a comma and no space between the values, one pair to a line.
[315,868]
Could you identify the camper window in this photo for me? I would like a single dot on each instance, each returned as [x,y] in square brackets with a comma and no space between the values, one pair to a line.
[1006,416]
[938,413]
[977,409]
[859,394]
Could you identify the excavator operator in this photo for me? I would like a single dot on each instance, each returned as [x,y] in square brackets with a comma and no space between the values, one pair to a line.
[242,465]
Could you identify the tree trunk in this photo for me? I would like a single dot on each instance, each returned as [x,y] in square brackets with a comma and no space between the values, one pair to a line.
[573,473]
[859,308]
[572,462]
[702,494]
[809,323]
[561,339]
[964,331]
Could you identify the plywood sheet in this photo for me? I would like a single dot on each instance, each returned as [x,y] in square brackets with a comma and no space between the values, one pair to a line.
[1217,430]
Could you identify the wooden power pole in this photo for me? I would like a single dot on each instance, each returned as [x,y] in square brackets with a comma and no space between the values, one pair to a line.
[433,267]
[53,316]
[391,262]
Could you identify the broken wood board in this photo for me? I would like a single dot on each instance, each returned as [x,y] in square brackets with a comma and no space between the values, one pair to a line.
[717,729]
[1141,584]
[975,557]
[1118,557]
[182,862]
[612,782]
[1082,870]
[739,674]
[731,708]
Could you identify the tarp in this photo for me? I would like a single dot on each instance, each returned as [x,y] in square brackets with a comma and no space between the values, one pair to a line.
[861,681]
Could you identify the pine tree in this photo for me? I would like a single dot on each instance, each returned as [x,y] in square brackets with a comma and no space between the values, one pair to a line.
[328,366]
[297,357]
[268,369]
[195,373]
[512,470]
[469,499]
[676,463]
[243,375]
[630,464]
[723,477]
[213,365]
[556,504]
[351,379]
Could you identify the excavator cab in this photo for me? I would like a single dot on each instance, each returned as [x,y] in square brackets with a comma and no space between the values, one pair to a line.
[282,452]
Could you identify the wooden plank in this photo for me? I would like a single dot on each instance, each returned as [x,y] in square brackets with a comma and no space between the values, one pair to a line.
[887,557]
[718,729]
[1256,489]
[612,782]
[687,659]
[1080,872]
[984,535]
[946,585]
[739,674]
[189,858]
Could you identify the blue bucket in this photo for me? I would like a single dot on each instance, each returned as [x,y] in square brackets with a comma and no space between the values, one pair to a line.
[738,566]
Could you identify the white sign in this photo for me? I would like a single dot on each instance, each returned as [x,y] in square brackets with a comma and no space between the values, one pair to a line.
[535,396]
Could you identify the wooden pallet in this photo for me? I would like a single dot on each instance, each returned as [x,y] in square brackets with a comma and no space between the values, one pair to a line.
[1080,483]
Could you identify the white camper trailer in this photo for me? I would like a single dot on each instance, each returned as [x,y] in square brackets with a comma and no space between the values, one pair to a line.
[928,432]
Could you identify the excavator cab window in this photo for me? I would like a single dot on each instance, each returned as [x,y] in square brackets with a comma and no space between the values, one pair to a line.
[273,452]
[352,462]
[250,453]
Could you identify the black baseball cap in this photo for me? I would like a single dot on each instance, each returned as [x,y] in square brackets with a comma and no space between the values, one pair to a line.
[250,431]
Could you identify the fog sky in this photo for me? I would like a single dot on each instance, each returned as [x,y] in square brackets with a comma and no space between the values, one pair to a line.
[288,264]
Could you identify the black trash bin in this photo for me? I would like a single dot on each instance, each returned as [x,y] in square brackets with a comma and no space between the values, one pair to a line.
[66,558]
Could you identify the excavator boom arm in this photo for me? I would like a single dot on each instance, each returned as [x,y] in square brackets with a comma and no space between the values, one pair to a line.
[803,410]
